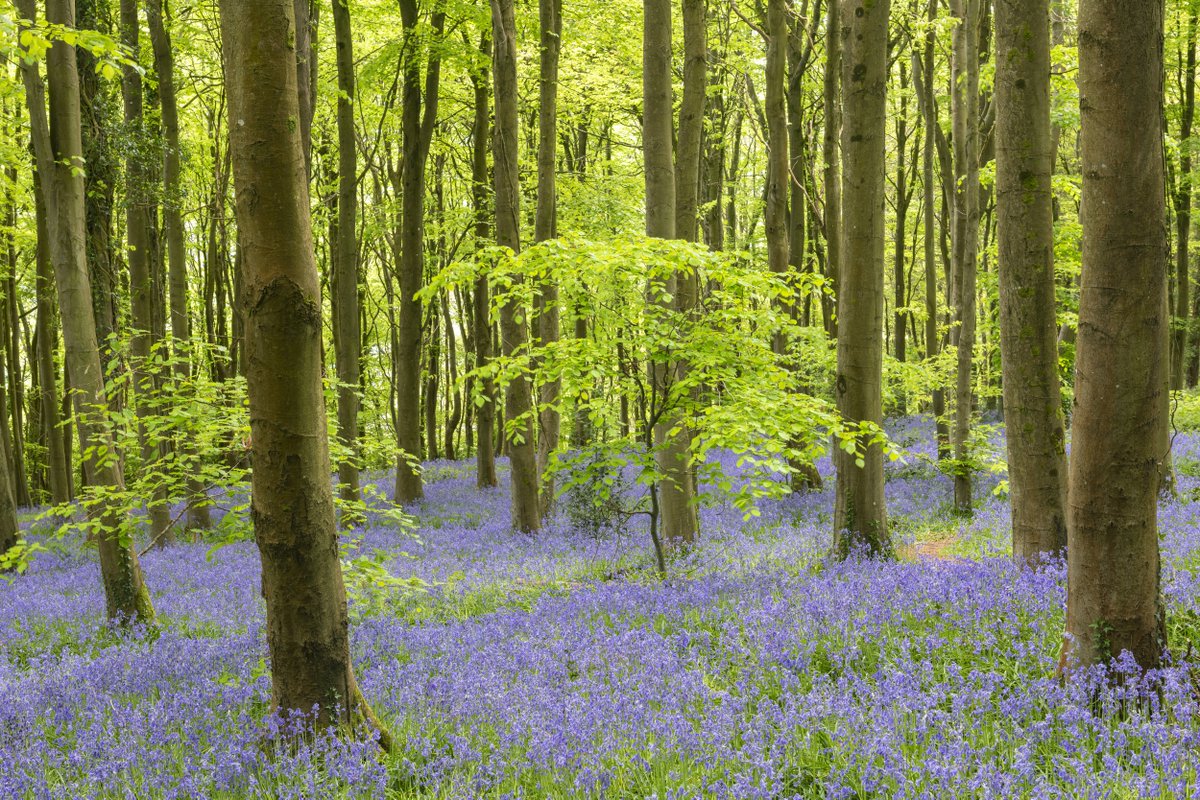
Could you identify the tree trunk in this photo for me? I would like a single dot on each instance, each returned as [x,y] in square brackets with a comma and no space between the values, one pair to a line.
[291,495]
[676,493]
[860,515]
[1183,212]
[545,227]
[966,233]
[138,210]
[57,465]
[347,333]
[419,115]
[518,398]
[830,156]
[1037,462]
[899,242]
[126,595]
[485,413]
[1113,598]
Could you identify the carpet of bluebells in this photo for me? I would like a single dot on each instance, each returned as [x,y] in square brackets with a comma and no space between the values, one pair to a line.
[559,665]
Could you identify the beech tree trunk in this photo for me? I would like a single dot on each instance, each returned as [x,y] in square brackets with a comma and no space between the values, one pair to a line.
[1183,212]
[518,396]
[1113,598]
[126,595]
[291,494]
[485,413]
[676,493]
[347,332]
[46,341]
[831,156]
[965,112]
[138,211]
[545,227]
[1037,462]
[860,514]
[419,115]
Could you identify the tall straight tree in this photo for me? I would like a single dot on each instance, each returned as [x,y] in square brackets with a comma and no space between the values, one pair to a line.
[291,495]
[138,224]
[545,227]
[419,114]
[347,332]
[126,595]
[776,221]
[181,328]
[860,514]
[831,155]
[925,96]
[1183,207]
[1037,462]
[485,413]
[1113,598]
[678,516]
[518,395]
[965,113]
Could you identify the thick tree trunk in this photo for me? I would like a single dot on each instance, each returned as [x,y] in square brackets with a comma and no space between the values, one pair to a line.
[860,515]
[545,227]
[347,333]
[419,115]
[485,413]
[1037,462]
[291,495]
[676,493]
[125,591]
[966,234]
[138,210]
[518,396]
[1113,598]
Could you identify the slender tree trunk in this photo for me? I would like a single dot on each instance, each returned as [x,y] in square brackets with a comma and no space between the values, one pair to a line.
[125,591]
[291,495]
[57,465]
[831,155]
[518,398]
[678,516]
[347,333]
[137,255]
[1113,598]
[1183,212]
[1037,462]
[485,413]
[899,240]
[16,380]
[419,115]
[966,233]
[860,515]
[545,227]
[454,418]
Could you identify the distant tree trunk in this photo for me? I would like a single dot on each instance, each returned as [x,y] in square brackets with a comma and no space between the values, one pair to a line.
[433,357]
[860,515]
[1037,462]
[137,255]
[198,516]
[419,115]
[57,464]
[347,333]
[678,516]
[830,156]
[899,240]
[16,379]
[291,495]
[485,414]
[1183,212]
[545,227]
[305,43]
[518,399]
[1113,598]
[125,591]
[454,418]
[966,233]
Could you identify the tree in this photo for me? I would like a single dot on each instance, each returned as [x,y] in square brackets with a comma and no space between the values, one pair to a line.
[291,498]
[1037,462]
[485,414]
[1113,599]
[419,115]
[677,492]
[860,516]
[514,337]
[1182,196]
[60,154]
[347,334]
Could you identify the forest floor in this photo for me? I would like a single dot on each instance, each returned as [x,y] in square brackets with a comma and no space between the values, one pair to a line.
[560,665]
